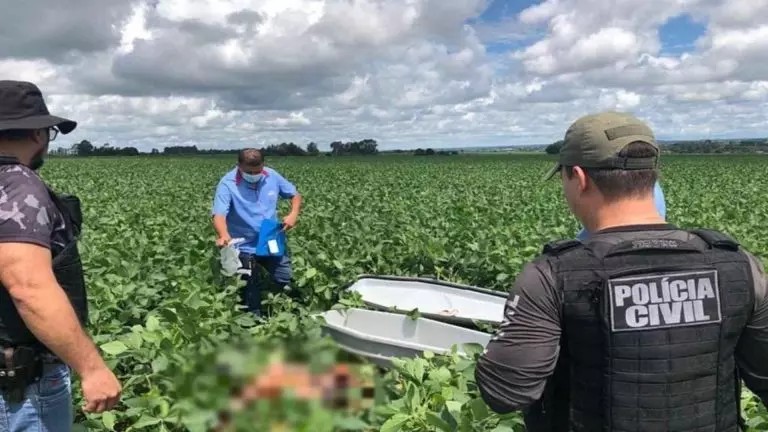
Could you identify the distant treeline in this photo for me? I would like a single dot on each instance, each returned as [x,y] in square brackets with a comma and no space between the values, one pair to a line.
[724,146]
[369,147]
[431,152]
[758,145]
[364,147]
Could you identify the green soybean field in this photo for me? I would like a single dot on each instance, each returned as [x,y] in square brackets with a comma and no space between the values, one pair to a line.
[167,321]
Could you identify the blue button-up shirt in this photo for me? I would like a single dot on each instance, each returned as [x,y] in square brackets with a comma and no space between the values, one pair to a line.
[658,198]
[246,205]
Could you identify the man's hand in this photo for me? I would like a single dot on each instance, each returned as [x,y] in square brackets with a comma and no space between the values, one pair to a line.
[289,221]
[223,241]
[101,390]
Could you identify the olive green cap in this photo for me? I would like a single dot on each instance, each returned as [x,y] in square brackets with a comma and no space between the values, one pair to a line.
[595,140]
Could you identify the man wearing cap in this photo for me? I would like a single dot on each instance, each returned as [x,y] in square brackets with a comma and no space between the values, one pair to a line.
[245,206]
[642,326]
[43,303]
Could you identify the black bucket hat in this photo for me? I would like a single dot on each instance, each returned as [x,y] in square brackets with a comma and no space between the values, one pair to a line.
[22,107]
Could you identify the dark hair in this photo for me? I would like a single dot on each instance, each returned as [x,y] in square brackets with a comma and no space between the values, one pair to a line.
[250,157]
[15,134]
[616,184]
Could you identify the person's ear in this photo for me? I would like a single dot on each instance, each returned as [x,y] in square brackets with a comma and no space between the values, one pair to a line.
[40,136]
[582,179]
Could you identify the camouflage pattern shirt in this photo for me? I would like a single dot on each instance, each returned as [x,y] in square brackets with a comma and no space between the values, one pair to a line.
[27,212]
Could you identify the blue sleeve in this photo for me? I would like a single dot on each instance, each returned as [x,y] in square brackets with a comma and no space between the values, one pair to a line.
[287,189]
[658,197]
[221,200]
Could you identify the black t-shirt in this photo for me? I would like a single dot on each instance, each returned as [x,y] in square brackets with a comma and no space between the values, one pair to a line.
[522,355]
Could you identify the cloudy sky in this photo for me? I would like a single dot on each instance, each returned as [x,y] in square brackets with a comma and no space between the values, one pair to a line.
[408,73]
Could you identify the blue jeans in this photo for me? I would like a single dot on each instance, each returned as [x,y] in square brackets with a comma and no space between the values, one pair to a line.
[279,270]
[46,407]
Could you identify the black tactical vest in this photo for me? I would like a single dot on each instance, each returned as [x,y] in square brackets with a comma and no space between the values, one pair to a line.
[67,267]
[650,327]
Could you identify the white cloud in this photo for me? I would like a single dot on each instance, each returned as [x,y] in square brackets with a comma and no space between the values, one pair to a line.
[226,73]
[620,100]
[293,119]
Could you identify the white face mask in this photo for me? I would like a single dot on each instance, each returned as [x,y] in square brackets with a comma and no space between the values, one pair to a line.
[252,178]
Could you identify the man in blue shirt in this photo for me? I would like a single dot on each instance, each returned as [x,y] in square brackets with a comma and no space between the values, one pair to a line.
[245,197]
[658,198]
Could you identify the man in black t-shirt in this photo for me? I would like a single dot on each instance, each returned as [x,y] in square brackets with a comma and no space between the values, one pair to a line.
[43,305]
[642,326]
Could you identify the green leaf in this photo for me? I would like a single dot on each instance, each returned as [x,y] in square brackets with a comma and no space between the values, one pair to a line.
[479,409]
[394,423]
[465,425]
[447,392]
[416,369]
[414,314]
[413,396]
[153,324]
[455,409]
[440,375]
[399,364]
[464,364]
[159,364]
[446,416]
[135,402]
[350,423]
[385,410]
[436,421]
[114,348]
[108,418]
[757,421]
[145,421]
[472,349]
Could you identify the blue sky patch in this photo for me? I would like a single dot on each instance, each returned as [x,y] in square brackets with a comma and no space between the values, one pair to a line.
[679,34]
[499,29]
[498,10]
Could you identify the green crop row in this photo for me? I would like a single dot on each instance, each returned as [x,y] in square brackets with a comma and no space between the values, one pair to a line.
[168,323]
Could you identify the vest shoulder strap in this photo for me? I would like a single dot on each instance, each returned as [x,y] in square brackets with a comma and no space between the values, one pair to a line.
[69,208]
[559,246]
[717,239]
[8,160]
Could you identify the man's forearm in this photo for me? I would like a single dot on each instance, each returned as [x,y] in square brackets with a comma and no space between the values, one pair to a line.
[296,204]
[220,225]
[48,314]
